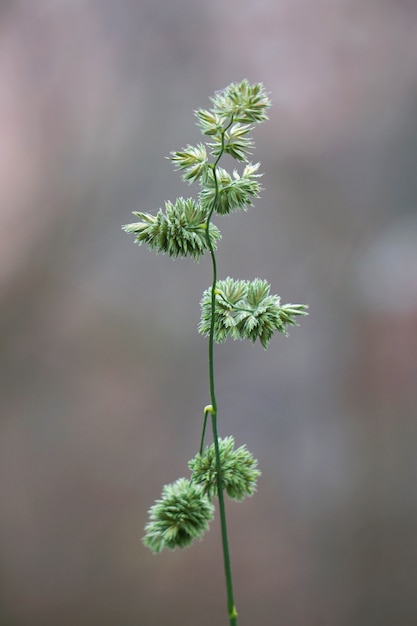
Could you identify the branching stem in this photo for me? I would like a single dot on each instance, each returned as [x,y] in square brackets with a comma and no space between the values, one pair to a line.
[213,408]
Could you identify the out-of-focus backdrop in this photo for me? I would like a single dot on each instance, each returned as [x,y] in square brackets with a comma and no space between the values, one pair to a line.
[103,375]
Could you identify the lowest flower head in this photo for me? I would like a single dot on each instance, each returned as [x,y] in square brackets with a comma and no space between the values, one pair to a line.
[181,515]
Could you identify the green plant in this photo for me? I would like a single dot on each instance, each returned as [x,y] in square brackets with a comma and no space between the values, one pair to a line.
[237,308]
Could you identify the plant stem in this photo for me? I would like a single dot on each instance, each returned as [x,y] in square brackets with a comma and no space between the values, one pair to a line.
[231,608]
[232,613]
[207,410]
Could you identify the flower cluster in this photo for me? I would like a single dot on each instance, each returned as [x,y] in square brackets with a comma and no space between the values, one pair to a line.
[180,231]
[246,310]
[240,309]
[181,515]
[230,192]
[185,509]
[244,102]
[193,160]
[239,471]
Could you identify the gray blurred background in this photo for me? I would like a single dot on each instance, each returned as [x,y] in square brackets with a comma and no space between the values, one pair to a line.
[103,376]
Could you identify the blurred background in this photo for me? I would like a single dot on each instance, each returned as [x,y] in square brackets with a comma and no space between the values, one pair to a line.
[103,375]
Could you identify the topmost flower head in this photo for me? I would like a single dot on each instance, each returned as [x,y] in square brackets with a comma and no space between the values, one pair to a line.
[246,103]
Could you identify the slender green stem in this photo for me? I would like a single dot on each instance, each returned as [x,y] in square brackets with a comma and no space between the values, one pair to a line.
[207,410]
[231,608]
[232,613]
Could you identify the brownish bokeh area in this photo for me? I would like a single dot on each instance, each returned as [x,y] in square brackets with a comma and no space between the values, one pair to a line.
[103,375]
